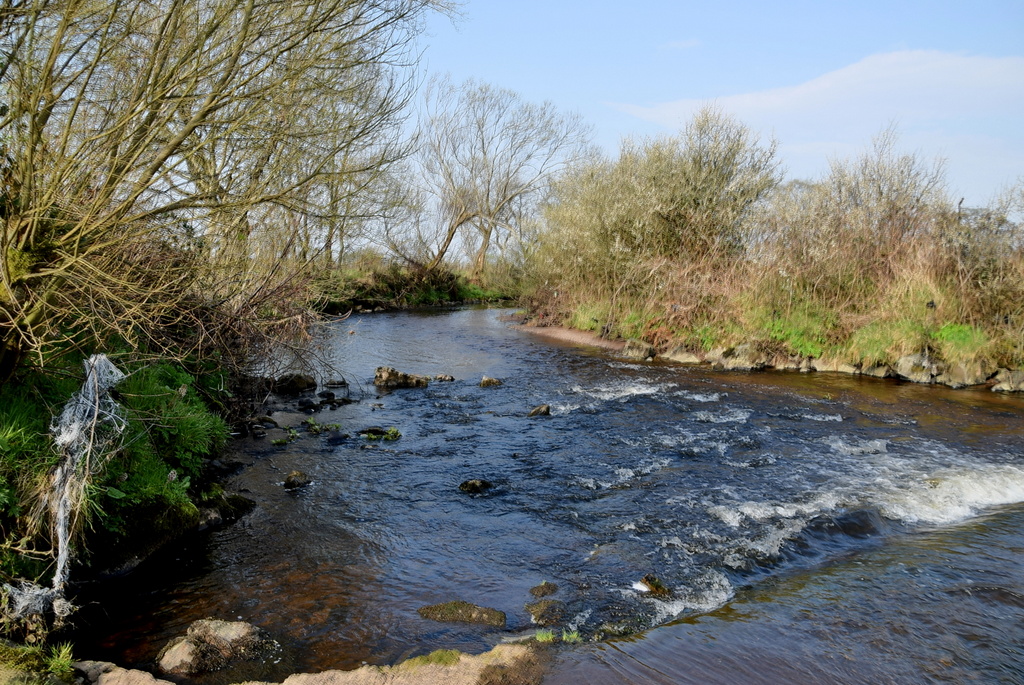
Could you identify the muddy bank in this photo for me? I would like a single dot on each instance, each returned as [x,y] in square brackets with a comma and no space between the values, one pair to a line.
[573,336]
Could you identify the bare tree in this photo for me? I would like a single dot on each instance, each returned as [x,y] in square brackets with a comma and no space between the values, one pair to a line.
[485,154]
[127,123]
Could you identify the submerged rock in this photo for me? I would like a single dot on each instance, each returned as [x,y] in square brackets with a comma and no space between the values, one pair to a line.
[463,612]
[546,612]
[488,382]
[655,586]
[475,486]
[544,589]
[540,410]
[444,378]
[388,377]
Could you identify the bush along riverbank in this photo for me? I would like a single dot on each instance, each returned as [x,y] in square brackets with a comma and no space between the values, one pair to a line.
[371,282]
[693,245]
[100,465]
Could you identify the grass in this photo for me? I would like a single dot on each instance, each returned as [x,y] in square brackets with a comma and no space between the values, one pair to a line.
[439,657]
[545,635]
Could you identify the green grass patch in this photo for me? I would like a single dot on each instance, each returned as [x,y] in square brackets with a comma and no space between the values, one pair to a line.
[885,341]
[960,342]
[589,317]
[439,657]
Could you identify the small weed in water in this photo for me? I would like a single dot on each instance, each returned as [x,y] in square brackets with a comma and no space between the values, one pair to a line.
[571,636]
[390,434]
[316,428]
[545,635]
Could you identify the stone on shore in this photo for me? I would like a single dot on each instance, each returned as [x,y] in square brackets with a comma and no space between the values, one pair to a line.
[919,368]
[1009,381]
[294,384]
[683,356]
[210,645]
[638,349]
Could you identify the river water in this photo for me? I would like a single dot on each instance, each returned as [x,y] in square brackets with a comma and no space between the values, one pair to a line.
[811,527]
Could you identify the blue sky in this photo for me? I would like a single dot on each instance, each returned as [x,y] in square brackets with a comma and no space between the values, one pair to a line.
[821,77]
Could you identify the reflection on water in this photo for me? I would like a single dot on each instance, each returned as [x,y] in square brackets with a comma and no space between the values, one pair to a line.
[812,528]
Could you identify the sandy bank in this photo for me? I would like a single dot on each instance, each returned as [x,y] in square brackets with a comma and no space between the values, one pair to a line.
[573,336]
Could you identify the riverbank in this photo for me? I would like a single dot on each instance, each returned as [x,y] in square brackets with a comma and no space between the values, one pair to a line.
[508,663]
[918,368]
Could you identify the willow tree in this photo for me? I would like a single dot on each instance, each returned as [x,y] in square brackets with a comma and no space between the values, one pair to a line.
[130,128]
[486,156]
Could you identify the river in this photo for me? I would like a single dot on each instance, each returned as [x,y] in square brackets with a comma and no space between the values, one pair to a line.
[811,528]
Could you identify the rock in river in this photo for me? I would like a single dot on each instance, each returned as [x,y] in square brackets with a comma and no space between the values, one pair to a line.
[211,644]
[475,486]
[388,377]
[541,410]
[463,612]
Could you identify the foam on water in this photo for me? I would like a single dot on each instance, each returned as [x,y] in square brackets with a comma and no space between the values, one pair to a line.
[728,416]
[953,495]
[701,396]
[822,417]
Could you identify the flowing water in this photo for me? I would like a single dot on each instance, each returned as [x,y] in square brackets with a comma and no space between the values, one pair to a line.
[811,528]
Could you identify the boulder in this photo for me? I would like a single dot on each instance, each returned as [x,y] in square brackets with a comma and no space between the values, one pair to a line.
[964,374]
[444,378]
[1009,381]
[388,377]
[742,358]
[919,368]
[540,410]
[835,366]
[294,384]
[104,673]
[877,371]
[463,612]
[683,356]
[488,382]
[336,383]
[210,645]
[638,349]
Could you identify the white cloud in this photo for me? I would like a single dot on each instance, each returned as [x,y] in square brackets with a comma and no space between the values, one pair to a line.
[938,100]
